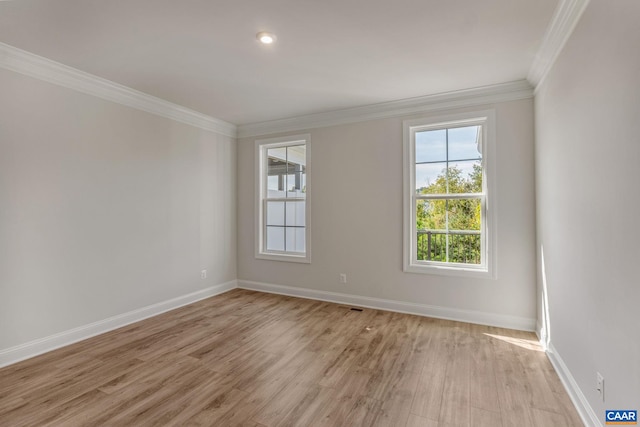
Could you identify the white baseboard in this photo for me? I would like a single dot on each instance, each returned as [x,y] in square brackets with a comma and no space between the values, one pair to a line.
[470,316]
[33,348]
[586,412]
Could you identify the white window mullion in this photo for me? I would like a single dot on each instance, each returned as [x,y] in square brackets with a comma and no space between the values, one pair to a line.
[449,196]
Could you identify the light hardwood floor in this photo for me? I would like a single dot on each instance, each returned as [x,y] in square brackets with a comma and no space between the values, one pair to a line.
[255,359]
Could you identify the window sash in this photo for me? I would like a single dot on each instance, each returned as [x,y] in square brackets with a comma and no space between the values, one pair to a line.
[447,232]
[284,226]
[454,196]
[486,142]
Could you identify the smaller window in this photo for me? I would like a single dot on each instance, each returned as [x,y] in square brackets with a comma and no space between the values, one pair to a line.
[282,197]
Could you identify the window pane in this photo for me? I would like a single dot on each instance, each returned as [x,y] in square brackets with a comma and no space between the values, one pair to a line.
[431,214]
[464,143]
[275,194]
[291,184]
[465,177]
[297,154]
[431,224]
[295,215]
[430,178]
[295,239]
[273,184]
[296,184]
[464,215]
[275,239]
[276,171]
[431,146]
[431,245]
[296,170]
[275,213]
[464,231]
[279,154]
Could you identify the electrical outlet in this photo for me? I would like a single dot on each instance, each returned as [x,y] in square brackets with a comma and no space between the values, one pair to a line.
[343,278]
[600,385]
[203,274]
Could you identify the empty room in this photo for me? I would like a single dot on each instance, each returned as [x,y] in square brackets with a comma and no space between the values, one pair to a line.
[319,213]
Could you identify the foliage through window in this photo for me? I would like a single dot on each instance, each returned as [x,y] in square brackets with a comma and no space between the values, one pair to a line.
[448,195]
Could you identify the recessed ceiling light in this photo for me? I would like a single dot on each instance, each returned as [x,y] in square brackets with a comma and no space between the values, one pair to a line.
[266,38]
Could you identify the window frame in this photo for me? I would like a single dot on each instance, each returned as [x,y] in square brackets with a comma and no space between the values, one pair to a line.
[261,147]
[488,268]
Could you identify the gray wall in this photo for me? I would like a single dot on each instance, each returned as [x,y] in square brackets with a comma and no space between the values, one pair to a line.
[104,209]
[588,176]
[356,214]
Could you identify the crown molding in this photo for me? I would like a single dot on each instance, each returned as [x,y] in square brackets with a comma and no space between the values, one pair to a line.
[564,21]
[29,64]
[511,91]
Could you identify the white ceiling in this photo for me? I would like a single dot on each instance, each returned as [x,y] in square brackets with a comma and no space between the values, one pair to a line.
[330,54]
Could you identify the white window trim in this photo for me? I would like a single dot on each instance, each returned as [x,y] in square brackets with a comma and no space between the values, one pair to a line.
[488,270]
[260,190]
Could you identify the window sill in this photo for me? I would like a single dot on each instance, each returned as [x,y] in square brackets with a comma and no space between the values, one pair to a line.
[453,271]
[304,259]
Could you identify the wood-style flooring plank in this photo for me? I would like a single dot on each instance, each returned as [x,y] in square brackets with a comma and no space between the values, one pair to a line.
[246,358]
[309,408]
[455,407]
[417,421]
[395,405]
[483,390]
[428,397]
[485,418]
[513,393]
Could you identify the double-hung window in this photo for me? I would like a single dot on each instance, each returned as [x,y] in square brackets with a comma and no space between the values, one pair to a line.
[282,197]
[448,223]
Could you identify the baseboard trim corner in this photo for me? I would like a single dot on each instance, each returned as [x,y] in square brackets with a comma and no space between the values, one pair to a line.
[586,412]
[469,316]
[37,347]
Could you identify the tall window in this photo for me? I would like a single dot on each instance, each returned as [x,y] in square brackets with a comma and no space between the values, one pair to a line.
[446,195]
[282,222]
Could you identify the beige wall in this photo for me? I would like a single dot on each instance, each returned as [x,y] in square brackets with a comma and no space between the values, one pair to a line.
[104,209]
[588,176]
[356,214]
